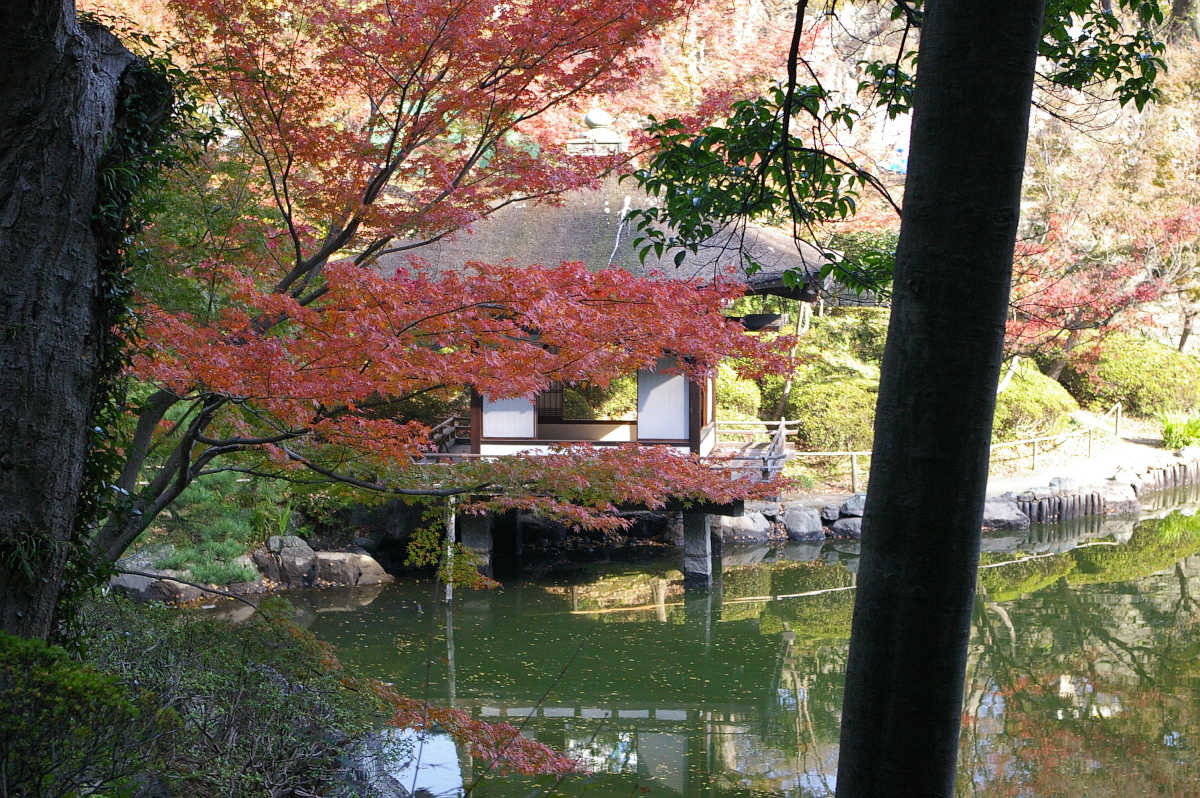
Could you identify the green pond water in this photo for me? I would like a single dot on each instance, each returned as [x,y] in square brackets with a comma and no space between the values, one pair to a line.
[1083,676]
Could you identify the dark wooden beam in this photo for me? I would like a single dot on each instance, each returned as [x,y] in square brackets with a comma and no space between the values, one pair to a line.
[476,421]
[695,406]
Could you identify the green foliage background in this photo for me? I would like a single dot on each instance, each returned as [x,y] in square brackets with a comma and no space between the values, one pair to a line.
[1146,377]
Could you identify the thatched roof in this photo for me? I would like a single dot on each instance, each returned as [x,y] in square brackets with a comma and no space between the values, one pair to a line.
[589,226]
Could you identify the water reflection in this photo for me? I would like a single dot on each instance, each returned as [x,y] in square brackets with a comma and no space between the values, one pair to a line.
[1083,673]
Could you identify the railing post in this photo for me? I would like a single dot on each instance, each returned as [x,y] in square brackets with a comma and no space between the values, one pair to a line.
[1117,422]
[853,472]
[1035,453]
[1091,435]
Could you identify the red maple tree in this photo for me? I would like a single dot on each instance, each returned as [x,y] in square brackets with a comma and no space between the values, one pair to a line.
[1069,295]
[357,130]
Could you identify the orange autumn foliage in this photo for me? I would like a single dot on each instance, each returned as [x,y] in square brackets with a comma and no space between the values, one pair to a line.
[356,131]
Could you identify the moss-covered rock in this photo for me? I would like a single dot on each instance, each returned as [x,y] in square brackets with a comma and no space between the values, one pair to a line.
[1146,377]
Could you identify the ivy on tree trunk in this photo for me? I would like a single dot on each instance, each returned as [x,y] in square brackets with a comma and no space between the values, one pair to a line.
[61,107]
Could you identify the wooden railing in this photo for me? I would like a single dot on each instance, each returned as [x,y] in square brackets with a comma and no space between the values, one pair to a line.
[776,455]
[747,432]
[450,432]
[770,461]
[1038,445]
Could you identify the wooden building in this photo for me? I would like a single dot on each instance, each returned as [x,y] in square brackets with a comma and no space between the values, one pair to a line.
[671,411]
[592,226]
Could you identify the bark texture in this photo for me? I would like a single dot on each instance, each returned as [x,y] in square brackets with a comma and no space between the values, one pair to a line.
[57,108]
[916,583]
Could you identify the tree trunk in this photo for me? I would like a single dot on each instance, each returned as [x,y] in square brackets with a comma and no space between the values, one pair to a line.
[921,531]
[57,109]
[1182,21]
[1056,367]
[1186,333]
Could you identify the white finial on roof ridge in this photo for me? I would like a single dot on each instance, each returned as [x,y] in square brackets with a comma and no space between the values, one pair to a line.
[598,117]
[600,138]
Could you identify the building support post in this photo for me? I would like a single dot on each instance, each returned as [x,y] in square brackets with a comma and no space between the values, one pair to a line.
[475,535]
[450,530]
[697,551]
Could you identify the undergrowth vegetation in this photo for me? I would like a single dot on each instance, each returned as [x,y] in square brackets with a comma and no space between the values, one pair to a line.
[150,700]
[1180,429]
[161,701]
[1146,377]
[219,518]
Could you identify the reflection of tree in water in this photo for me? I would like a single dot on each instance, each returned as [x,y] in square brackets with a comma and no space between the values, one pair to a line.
[1083,675]
[1091,686]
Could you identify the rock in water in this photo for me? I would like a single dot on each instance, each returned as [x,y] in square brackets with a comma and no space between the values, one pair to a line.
[854,506]
[748,528]
[803,524]
[1002,515]
[350,569]
[848,528]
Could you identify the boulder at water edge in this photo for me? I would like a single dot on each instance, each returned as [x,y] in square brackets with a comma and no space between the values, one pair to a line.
[748,528]
[350,569]
[803,524]
[287,560]
[854,506]
[848,528]
[1003,515]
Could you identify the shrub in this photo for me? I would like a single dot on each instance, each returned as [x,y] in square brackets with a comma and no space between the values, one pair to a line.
[834,416]
[737,397]
[219,518]
[1031,405]
[1146,377]
[259,708]
[617,401]
[1180,429]
[223,572]
[859,332]
[64,726]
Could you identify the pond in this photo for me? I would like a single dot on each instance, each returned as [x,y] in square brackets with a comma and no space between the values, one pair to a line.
[1083,675]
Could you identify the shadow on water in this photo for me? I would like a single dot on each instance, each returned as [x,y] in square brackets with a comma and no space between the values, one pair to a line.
[1083,674]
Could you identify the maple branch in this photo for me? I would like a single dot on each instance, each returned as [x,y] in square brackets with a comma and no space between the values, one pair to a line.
[379,487]
[244,442]
[255,472]
[139,447]
[205,588]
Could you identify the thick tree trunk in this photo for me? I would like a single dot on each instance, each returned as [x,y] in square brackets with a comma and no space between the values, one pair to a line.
[58,94]
[916,581]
